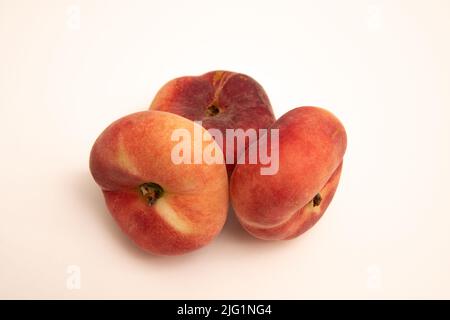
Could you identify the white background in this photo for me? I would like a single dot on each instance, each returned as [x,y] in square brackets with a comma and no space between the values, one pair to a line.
[69,68]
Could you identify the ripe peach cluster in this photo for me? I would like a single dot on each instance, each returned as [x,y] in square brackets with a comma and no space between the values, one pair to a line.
[171,208]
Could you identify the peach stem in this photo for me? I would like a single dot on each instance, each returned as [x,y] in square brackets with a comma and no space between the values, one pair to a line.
[212,110]
[151,192]
[317,200]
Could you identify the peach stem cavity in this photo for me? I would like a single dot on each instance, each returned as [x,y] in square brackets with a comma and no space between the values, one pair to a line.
[151,192]
[212,110]
[317,200]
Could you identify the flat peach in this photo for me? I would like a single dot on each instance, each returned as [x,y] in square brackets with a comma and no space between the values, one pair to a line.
[311,147]
[165,208]
[221,100]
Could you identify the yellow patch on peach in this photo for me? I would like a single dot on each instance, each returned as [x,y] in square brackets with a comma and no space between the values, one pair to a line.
[217,77]
[171,217]
[123,160]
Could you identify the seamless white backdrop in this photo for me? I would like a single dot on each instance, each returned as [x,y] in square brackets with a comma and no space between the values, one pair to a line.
[69,68]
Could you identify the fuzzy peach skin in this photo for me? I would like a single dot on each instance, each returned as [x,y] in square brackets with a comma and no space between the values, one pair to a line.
[165,208]
[312,144]
[221,100]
